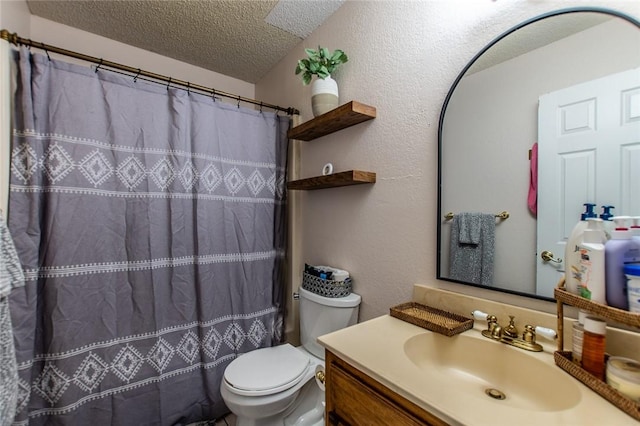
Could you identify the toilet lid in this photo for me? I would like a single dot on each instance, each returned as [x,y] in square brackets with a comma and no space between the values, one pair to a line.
[266,371]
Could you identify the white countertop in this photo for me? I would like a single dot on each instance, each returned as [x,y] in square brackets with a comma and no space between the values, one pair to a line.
[376,347]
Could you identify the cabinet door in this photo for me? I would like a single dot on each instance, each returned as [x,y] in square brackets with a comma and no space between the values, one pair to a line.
[354,399]
[357,404]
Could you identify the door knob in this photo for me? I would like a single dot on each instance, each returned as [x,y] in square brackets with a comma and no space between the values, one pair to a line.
[547,256]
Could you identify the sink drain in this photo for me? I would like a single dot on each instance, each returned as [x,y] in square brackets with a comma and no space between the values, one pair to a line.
[495,394]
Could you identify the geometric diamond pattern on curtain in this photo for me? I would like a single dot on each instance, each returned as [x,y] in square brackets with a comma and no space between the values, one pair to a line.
[149,223]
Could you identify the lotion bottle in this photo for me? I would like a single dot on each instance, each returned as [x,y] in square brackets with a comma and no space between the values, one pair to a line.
[618,251]
[592,270]
[571,251]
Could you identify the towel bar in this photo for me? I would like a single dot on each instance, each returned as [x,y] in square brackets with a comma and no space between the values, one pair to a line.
[503,215]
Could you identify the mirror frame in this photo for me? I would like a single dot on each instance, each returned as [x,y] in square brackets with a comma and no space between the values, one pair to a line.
[513,29]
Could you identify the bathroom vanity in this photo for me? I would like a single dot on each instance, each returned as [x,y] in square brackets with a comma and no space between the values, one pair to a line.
[353,397]
[387,371]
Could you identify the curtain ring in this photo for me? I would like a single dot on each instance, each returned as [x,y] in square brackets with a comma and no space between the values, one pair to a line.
[99,65]
[168,84]
[238,101]
[42,46]
[135,79]
[213,94]
[188,88]
[260,107]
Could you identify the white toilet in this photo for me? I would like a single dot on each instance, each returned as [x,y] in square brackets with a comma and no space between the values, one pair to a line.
[277,386]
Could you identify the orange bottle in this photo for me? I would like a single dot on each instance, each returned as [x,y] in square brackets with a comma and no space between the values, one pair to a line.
[593,346]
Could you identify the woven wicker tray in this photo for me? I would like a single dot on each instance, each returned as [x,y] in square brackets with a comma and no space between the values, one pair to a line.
[433,319]
[604,311]
[629,406]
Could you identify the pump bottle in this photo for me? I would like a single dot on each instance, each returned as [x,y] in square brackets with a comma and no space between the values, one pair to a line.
[607,217]
[592,266]
[571,251]
[618,251]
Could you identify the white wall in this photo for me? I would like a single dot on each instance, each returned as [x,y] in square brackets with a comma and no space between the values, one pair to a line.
[15,17]
[404,55]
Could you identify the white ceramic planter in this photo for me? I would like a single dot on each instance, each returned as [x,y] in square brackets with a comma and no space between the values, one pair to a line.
[324,95]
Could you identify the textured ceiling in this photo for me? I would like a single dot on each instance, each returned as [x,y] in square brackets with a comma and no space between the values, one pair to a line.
[230,37]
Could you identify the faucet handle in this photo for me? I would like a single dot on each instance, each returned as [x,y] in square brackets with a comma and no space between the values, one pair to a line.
[530,333]
[547,333]
[493,331]
[479,315]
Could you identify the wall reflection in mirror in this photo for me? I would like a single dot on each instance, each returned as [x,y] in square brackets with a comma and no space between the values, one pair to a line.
[540,93]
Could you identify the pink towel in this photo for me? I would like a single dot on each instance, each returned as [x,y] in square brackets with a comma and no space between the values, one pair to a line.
[532,199]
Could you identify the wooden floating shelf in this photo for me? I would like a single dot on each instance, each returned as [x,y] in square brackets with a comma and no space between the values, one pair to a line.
[340,118]
[351,177]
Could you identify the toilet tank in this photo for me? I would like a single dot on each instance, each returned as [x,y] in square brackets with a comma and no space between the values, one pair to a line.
[321,315]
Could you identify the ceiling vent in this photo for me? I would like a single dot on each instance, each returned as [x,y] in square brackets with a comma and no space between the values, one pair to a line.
[301,17]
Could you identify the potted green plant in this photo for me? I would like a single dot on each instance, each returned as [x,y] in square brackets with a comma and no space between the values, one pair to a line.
[324,90]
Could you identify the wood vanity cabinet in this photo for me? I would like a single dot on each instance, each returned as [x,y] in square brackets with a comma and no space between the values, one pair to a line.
[354,398]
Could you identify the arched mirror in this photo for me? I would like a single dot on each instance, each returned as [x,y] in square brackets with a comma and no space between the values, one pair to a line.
[539,94]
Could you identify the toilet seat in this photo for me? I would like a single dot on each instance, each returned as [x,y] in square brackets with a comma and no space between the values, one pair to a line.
[266,371]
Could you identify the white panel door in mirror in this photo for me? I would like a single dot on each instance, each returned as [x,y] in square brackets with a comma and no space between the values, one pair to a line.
[589,142]
[631,152]
[577,117]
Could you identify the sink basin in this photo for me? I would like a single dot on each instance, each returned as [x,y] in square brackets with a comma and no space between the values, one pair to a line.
[492,370]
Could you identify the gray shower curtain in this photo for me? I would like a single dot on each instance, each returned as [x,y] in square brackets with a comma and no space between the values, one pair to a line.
[150,226]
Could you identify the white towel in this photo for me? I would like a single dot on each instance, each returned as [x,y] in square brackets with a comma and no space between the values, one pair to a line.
[11,276]
[472,248]
[338,274]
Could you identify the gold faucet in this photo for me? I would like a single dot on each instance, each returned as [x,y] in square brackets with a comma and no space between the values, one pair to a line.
[493,331]
[511,330]
[509,334]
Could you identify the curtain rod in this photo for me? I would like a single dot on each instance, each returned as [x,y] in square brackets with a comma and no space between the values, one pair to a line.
[137,72]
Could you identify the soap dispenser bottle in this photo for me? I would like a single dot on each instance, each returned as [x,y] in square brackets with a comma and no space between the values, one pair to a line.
[592,263]
[618,251]
[571,251]
[607,217]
